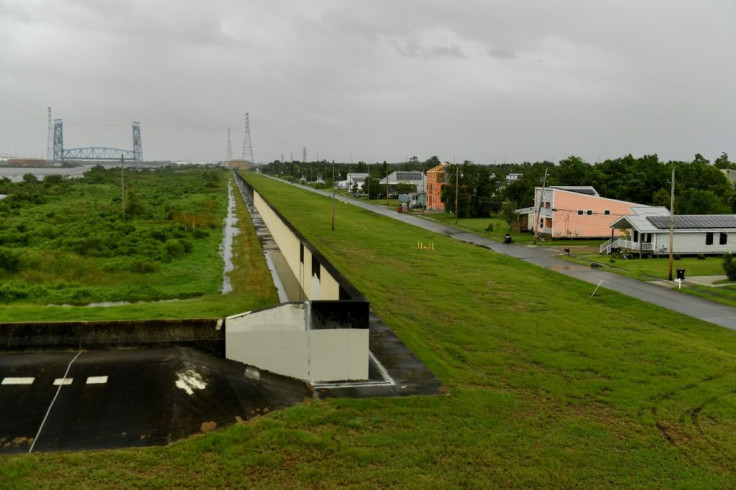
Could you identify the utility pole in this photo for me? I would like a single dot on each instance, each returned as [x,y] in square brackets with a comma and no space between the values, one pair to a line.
[333,195]
[457,181]
[672,218]
[539,208]
[122,187]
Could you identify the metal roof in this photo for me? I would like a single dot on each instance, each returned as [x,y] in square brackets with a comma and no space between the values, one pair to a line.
[580,189]
[695,221]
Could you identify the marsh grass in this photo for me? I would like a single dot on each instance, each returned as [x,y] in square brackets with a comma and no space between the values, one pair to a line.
[170,268]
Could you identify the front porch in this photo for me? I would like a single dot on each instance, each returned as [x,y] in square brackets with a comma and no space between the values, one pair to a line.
[625,245]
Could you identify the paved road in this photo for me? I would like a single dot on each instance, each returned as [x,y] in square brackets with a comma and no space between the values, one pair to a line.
[693,306]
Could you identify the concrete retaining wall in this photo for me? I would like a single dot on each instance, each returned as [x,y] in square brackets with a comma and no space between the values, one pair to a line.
[203,334]
[292,340]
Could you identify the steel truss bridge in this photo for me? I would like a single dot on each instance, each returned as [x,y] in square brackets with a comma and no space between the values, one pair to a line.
[95,153]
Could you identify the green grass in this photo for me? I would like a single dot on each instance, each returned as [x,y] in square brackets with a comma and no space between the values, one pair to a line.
[549,387]
[56,279]
[500,228]
[654,268]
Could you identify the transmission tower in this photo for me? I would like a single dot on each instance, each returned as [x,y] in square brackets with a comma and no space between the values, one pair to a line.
[229,149]
[247,146]
[305,155]
[49,140]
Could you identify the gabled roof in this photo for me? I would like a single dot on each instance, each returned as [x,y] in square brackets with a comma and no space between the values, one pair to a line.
[438,168]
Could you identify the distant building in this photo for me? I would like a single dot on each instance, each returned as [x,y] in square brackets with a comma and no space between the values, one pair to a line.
[436,178]
[513,177]
[239,164]
[353,179]
[414,177]
[730,175]
[647,231]
[575,212]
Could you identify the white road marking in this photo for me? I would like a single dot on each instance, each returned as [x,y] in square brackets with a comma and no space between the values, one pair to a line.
[18,381]
[97,380]
[48,411]
[63,381]
[189,381]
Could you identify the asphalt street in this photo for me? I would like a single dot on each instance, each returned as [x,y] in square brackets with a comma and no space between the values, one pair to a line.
[715,313]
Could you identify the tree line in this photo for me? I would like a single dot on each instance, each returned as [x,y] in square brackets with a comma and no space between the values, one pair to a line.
[482,190]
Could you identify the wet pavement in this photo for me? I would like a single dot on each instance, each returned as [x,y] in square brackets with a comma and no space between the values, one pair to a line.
[58,401]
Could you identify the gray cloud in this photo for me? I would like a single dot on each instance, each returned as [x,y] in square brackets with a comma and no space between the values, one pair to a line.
[378,80]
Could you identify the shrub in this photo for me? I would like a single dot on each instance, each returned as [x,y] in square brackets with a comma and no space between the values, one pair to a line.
[729,266]
[175,248]
[142,266]
[9,294]
[9,260]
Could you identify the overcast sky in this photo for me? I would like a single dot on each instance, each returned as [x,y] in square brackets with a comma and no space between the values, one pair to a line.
[373,80]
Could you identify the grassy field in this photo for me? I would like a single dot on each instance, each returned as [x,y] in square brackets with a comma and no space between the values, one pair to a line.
[548,386]
[74,248]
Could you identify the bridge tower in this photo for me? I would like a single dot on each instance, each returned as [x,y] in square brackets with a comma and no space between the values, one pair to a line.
[58,142]
[137,146]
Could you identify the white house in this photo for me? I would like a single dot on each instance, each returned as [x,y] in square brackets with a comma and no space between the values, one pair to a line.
[648,232]
[353,179]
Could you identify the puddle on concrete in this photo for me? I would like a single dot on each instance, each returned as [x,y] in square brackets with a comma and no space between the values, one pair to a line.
[226,247]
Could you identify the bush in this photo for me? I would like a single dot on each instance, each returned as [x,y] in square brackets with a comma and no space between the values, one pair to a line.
[9,260]
[9,294]
[729,266]
[143,267]
[175,248]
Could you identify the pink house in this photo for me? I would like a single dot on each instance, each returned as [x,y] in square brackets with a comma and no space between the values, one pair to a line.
[576,212]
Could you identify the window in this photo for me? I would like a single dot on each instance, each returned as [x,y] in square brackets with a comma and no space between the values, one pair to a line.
[580,212]
[636,236]
[723,239]
[589,212]
[607,212]
[709,238]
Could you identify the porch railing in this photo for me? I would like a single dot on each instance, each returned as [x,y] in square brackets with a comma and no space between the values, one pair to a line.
[622,244]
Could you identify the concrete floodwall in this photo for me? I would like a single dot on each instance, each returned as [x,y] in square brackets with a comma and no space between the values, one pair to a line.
[323,339]
[203,334]
[318,278]
[294,340]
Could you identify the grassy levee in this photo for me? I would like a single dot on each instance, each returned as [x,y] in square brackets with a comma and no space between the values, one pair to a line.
[550,387]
